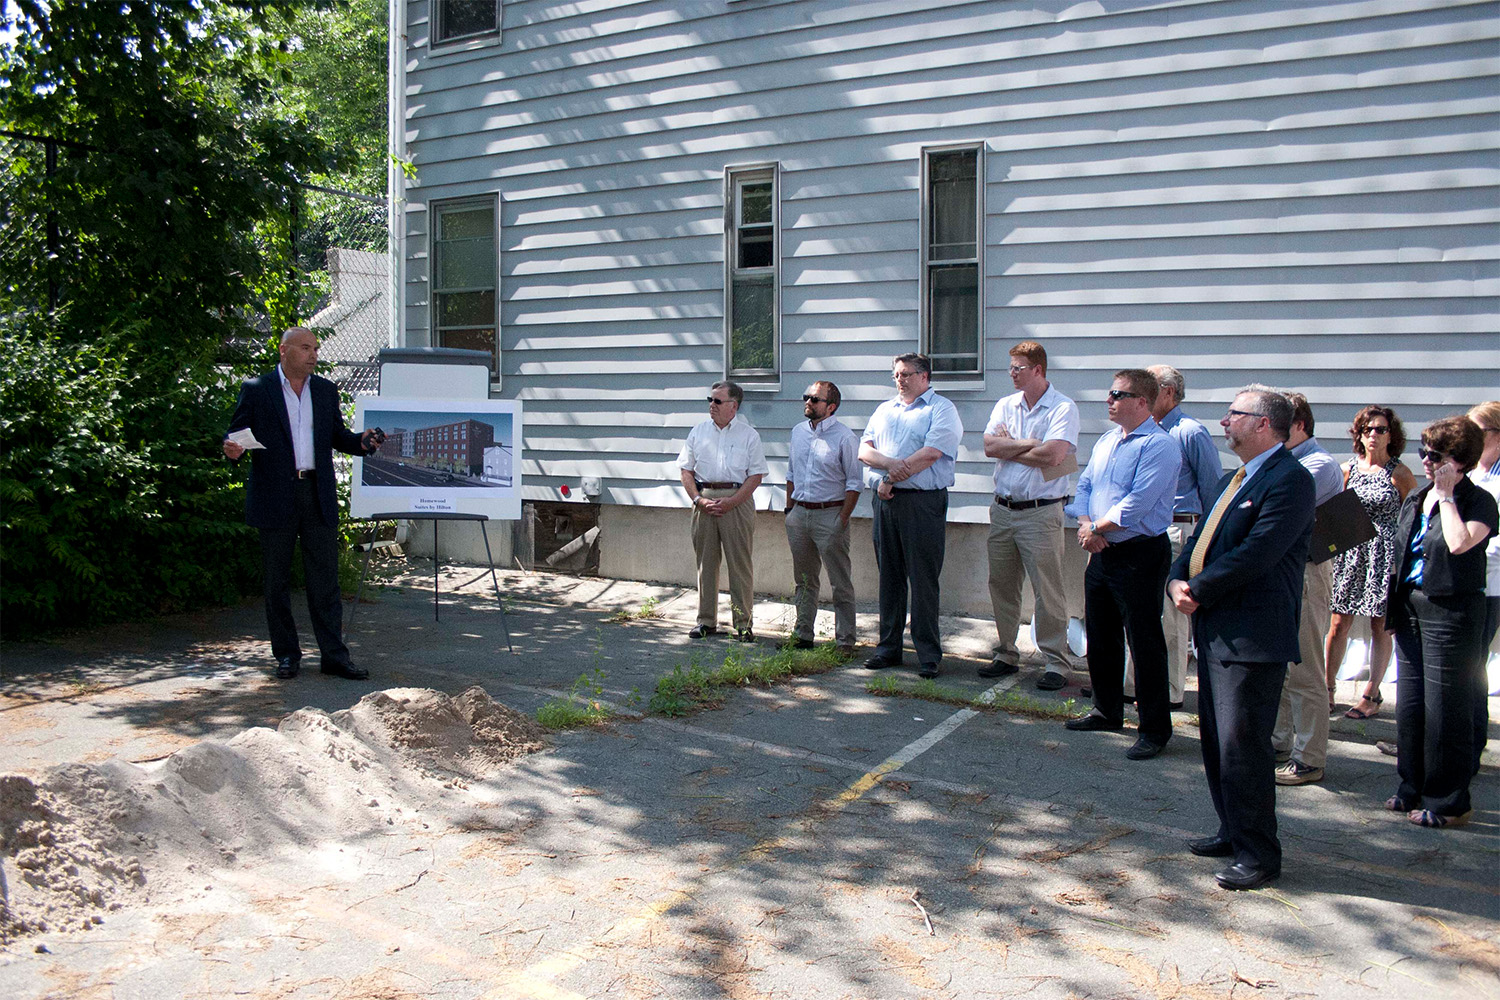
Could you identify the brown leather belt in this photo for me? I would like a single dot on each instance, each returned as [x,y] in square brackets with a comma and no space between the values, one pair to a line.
[719,486]
[1026,504]
[817,506]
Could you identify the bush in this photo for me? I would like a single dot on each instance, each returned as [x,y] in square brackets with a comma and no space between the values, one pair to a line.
[114,496]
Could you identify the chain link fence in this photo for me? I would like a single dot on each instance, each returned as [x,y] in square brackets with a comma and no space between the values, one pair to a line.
[335,252]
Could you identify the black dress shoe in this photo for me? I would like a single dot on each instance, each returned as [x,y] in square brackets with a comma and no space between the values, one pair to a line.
[1243,876]
[1051,680]
[699,631]
[880,661]
[348,671]
[928,670]
[997,668]
[1144,749]
[1175,706]
[800,643]
[1093,722]
[1211,847]
[287,667]
[744,635]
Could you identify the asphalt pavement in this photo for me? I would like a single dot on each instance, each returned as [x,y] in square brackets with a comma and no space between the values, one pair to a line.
[805,840]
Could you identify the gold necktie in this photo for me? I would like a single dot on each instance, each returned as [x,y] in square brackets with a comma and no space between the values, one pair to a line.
[1200,551]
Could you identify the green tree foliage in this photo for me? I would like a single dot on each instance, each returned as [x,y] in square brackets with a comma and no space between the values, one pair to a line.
[167,208]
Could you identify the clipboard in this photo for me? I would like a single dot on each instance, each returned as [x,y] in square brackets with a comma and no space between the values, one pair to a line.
[1339,525]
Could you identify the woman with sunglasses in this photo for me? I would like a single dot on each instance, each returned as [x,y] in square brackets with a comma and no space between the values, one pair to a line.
[1436,602]
[1381,482]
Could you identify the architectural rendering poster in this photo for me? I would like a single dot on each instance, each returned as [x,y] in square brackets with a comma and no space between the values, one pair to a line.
[440,456]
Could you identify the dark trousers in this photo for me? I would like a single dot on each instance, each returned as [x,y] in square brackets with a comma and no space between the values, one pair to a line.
[1440,654]
[1122,598]
[1237,705]
[320,566]
[910,534]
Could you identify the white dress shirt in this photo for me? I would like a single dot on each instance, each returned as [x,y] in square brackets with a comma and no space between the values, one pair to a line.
[299,413]
[1054,417]
[731,454]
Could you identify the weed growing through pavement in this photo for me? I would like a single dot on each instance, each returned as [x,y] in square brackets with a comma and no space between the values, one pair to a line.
[693,686]
[1013,702]
[584,705]
[648,609]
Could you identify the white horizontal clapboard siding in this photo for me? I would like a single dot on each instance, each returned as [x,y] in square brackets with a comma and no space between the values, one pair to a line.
[1301,193]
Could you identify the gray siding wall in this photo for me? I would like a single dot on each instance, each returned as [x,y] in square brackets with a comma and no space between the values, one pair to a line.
[1302,193]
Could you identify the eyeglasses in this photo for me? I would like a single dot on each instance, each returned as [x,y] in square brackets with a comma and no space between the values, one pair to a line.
[1426,454]
[813,399]
[1242,413]
[898,376]
[716,401]
[1375,429]
[1017,369]
[1118,394]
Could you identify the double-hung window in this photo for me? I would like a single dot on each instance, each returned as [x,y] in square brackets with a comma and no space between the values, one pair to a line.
[952,221]
[752,310]
[457,19]
[464,269]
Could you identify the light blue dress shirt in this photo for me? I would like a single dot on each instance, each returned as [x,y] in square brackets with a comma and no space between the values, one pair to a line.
[1201,468]
[1131,481]
[897,430]
[824,461]
[1328,477]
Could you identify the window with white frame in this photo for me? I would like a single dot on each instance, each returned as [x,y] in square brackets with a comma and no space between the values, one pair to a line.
[464,268]
[952,219]
[752,324]
[458,19]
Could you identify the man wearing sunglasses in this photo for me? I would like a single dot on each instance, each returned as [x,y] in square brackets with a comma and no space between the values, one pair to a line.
[722,463]
[1031,434]
[822,487]
[909,448]
[1124,507]
[1240,577]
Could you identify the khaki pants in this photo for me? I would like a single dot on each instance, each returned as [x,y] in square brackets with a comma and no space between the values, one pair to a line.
[1302,721]
[818,539]
[1175,626]
[733,534]
[1029,541]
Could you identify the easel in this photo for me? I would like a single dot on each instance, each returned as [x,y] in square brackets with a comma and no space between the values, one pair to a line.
[433,516]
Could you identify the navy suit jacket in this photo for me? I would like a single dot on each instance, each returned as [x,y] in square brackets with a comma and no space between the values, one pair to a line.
[270,500]
[1250,591]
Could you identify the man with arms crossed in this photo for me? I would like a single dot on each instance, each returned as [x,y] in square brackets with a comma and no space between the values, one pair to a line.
[822,487]
[1240,577]
[1301,733]
[1124,506]
[1029,432]
[295,417]
[1197,480]
[721,465]
[910,446]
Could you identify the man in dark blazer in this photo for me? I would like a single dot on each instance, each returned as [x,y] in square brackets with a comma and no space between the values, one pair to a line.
[1240,577]
[294,415]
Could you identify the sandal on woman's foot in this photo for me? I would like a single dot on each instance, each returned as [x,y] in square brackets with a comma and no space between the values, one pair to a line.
[1437,821]
[1397,804]
[1356,712]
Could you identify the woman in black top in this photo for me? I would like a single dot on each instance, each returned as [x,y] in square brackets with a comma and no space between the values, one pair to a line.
[1436,609]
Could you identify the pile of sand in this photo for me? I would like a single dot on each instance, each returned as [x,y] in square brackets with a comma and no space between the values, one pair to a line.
[89,839]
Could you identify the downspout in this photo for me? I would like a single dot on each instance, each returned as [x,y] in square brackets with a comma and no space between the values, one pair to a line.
[395,177]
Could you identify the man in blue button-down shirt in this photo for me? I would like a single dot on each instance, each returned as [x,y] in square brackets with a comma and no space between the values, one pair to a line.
[1124,505]
[1197,481]
[909,448]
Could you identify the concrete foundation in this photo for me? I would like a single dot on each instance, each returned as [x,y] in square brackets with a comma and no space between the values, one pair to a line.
[652,543]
